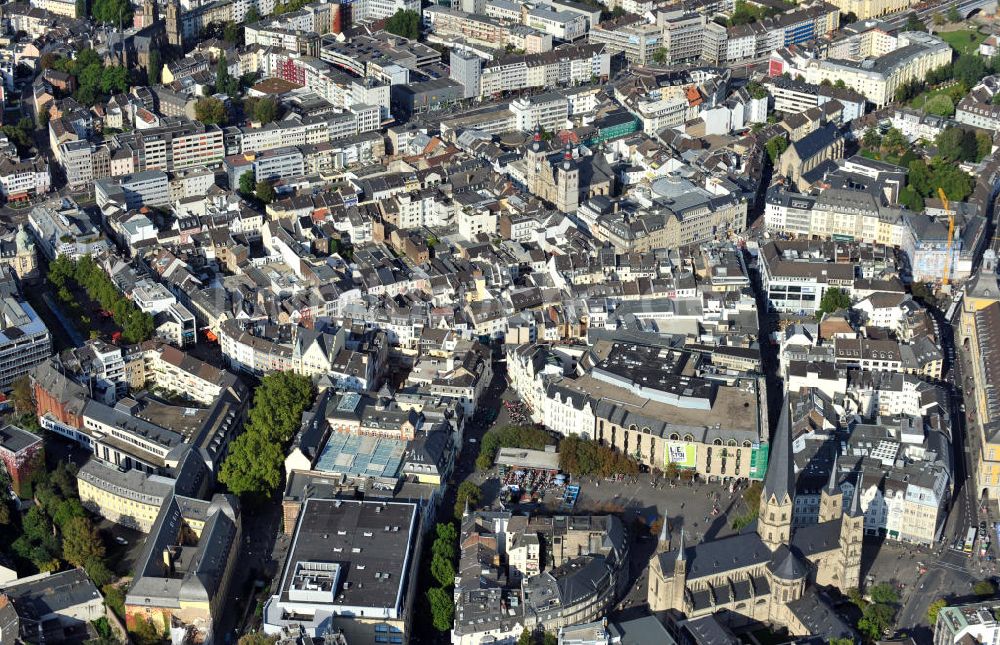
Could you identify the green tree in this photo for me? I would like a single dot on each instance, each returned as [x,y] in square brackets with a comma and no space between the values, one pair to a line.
[911,199]
[265,191]
[442,608]
[278,405]
[969,69]
[875,620]
[265,110]
[224,82]
[510,437]
[253,467]
[5,515]
[834,300]
[984,145]
[940,105]
[894,141]
[99,572]
[247,183]
[660,56]
[233,33]
[112,11]
[154,66]
[443,571]
[81,542]
[114,599]
[210,111]
[21,395]
[913,23]
[984,588]
[252,16]
[871,138]
[143,632]
[405,23]
[775,147]
[883,593]
[953,15]
[467,492]
[81,9]
[933,610]
[114,79]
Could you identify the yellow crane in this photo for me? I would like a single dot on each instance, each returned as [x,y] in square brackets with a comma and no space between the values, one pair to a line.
[951,235]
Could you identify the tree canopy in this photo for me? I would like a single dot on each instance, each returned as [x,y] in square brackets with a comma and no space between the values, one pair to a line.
[210,111]
[256,458]
[775,147]
[265,191]
[112,11]
[405,23]
[586,457]
[265,110]
[247,183]
[510,437]
[442,608]
[64,272]
[834,300]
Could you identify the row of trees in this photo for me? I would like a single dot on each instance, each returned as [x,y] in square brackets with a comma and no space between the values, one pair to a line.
[587,458]
[530,437]
[94,80]
[66,274]
[256,458]
[442,569]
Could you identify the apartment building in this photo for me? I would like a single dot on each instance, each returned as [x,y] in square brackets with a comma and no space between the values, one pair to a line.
[631,36]
[684,35]
[792,97]
[977,107]
[549,111]
[133,191]
[24,340]
[565,65]
[177,144]
[795,276]
[912,56]
[22,180]
[268,165]
[61,228]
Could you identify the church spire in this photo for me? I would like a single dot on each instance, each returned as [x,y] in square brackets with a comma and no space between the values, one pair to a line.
[663,544]
[780,478]
[681,557]
[831,486]
[855,508]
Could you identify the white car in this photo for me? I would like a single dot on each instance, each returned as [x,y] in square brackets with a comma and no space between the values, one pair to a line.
[120,540]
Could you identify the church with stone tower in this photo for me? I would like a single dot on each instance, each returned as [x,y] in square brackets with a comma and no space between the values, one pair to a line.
[770,573]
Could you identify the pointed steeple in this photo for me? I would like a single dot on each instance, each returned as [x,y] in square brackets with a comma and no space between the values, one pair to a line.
[831,486]
[854,510]
[663,544]
[780,478]
[680,548]
[465,511]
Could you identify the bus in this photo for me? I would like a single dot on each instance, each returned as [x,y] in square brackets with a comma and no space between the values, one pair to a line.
[970,540]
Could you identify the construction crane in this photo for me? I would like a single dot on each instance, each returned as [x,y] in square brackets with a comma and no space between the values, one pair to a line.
[951,235]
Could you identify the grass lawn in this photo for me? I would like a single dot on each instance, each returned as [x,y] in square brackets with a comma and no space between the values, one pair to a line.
[918,101]
[960,40]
